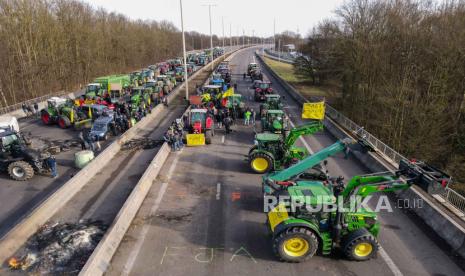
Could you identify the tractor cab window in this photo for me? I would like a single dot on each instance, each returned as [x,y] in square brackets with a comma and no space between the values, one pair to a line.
[92,88]
[264,85]
[8,141]
[198,117]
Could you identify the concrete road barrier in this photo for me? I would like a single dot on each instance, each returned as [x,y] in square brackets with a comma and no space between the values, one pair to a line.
[100,259]
[441,222]
[17,236]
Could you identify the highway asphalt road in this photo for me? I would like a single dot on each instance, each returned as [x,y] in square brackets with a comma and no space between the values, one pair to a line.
[203,216]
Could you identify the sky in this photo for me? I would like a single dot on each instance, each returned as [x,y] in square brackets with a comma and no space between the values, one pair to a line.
[248,16]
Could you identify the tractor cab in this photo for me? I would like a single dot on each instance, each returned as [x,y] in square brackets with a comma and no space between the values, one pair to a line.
[235,105]
[272,101]
[8,139]
[94,90]
[251,67]
[198,120]
[275,121]
[56,102]
[200,127]
[210,92]
[262,88]
[217,79]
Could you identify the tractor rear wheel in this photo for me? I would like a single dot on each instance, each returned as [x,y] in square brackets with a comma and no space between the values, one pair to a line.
[45,117]
[20,171]
[295,245]
[64,122]
[360,245]
[261,163]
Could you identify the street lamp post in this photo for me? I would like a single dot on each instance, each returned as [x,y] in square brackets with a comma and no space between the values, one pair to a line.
[211,37]
[184,53]
[222,25]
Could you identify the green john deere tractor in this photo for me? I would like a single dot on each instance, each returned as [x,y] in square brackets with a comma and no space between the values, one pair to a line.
[272,102]
[141,96]
[317,223]
[277,151]
[274,121]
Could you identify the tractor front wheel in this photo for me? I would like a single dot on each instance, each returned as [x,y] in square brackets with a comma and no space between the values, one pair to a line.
[20,171]
[295,245]
[261,163]
[360,245]
[64,122]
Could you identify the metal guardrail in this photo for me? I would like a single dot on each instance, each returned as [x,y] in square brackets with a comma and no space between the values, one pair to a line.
[18,106]
[448,194]
[283,56]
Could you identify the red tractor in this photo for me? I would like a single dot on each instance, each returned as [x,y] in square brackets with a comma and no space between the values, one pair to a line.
[263,88]
[200,126]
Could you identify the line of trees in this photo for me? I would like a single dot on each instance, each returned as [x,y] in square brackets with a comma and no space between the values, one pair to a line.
[52,45]
[400,66]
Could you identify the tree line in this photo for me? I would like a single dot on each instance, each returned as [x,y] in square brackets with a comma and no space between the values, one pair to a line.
[52,45]
[400,66]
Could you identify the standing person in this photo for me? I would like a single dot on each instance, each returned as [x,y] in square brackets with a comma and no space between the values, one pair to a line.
[24,107]
[52,164]
[254,114]
[82,140]
[227,124]
[219,118]
[36,107]
[235,87]
[168,140]
[89,141]
[247,115]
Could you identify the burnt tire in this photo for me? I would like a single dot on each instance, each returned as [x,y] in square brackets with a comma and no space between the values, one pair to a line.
[64,122]
[360,245]
[260,163]
[20,171]
[295,245]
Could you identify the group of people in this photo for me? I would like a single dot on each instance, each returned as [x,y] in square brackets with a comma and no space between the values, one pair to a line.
[249,116]
[174,135]
[88,141]
[30,110]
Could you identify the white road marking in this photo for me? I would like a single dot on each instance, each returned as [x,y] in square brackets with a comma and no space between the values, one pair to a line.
[392,266]
[218,191]
[137,247]
[390,263]
[222,139]
[301,138]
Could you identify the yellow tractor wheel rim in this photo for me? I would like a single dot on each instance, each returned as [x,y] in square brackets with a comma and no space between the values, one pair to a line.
[296,247]
[363,249]
[260,164]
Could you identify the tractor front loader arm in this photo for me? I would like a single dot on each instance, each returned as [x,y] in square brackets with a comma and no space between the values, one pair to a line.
[306,129]
[409,172]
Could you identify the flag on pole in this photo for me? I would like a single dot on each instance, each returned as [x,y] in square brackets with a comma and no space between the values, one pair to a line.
[228,92]
[314,111]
